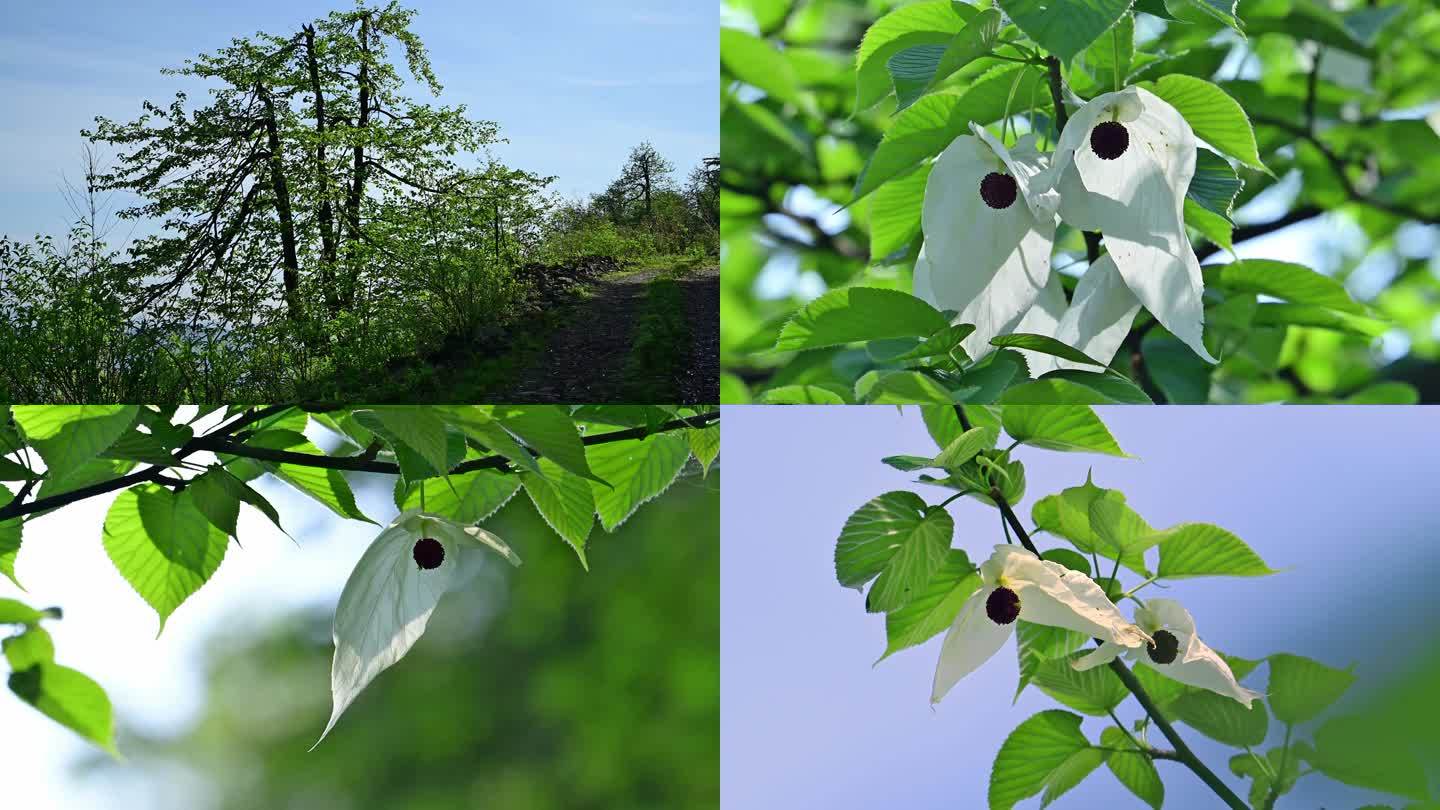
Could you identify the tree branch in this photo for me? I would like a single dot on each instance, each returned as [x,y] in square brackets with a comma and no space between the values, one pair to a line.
[1182,751]
[219,441]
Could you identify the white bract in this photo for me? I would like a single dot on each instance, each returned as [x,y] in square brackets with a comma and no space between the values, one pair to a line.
[388,599]
[985,256]
[1122,167]
[1190,661]
[1017,584]
[1095,321]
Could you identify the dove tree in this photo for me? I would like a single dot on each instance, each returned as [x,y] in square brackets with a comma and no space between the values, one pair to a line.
[178,477]
[1062,604]
[1010,164]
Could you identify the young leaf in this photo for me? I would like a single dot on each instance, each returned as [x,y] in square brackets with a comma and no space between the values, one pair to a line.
[1031,754]
[388,599]
[705,445]
[565,501]
[70,698]
[1072,428]
[637,470]
[965,446]
[67,436]
[898,539]
[1301,688]
[162,544]
[855,314]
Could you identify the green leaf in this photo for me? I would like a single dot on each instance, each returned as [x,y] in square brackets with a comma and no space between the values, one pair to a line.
[930,22]
[637,470]
[468,497]
[91,472]
[1121,533]
[1317,317]
[1044,345]
[162,545]
[1352,750]
[756,62]
[895,213]
[68,436]
[1163,690]
[1067,515]
[1065,29]
[1181,375]
[1222,718]
[1067,428]
[477,423]
[855,314]
[987,380]
[1134,770]
[70,698]
[1291,282]
[925,128]
[418,428]
[801,395]
[1202,549]
[1071,772]
[1038,643]
[326,486]
[1216,118]
[550,431]
[705,445]
[565,501]
[1214,185]
[10,471]
[965,446]
[1108,389]
[900,388]
[145,447]
[1093,691]
[933,607]
[897,538]
[31,648]
[15,612]
[919,68]
[1070,559]
[1301,688]
[10,538]
[945,343]
[218,495]
[1031,753]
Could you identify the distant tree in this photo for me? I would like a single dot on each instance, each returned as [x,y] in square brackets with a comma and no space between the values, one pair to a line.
[645,173]
[309,160]
[703,190]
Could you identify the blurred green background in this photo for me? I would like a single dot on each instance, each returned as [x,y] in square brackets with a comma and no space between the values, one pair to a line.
[538,688]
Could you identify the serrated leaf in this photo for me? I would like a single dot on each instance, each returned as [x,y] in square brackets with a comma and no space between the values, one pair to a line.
[162,544]
[897,540]
[1092,691]
[1071,772]
[1216,118]
[218,495]
[1134,770]
[1067,428]
[70,698]
[1301,688]
[1030,754]
[1045,345]
[549,431]
[565,501]
[933,607]
[1222,718]
[1285,280]
[705,445]
[637,471]
[68,436]
[854,314]
[929,22]
[1065,29]
[1214,186]
[468,497]
[1038,643]
[329,487]
[1202,549]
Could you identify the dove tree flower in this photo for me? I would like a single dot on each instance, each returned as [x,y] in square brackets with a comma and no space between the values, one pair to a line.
[988,231]
[1095,321]
[1176,652]
[388,599]
[1122,166]
[1016,584]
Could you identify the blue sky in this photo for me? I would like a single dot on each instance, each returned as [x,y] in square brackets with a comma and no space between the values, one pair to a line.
[573,85]
[809,720]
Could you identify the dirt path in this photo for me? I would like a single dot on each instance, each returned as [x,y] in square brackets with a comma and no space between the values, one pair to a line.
[700,384]
[584,361]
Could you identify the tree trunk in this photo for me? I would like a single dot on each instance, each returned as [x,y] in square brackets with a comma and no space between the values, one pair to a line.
[325,216]
[290,259]
[357,184]
[645,183]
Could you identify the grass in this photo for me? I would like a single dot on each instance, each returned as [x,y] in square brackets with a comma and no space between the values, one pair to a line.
[662,338]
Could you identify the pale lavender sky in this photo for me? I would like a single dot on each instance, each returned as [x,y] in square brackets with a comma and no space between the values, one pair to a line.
[807,721]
